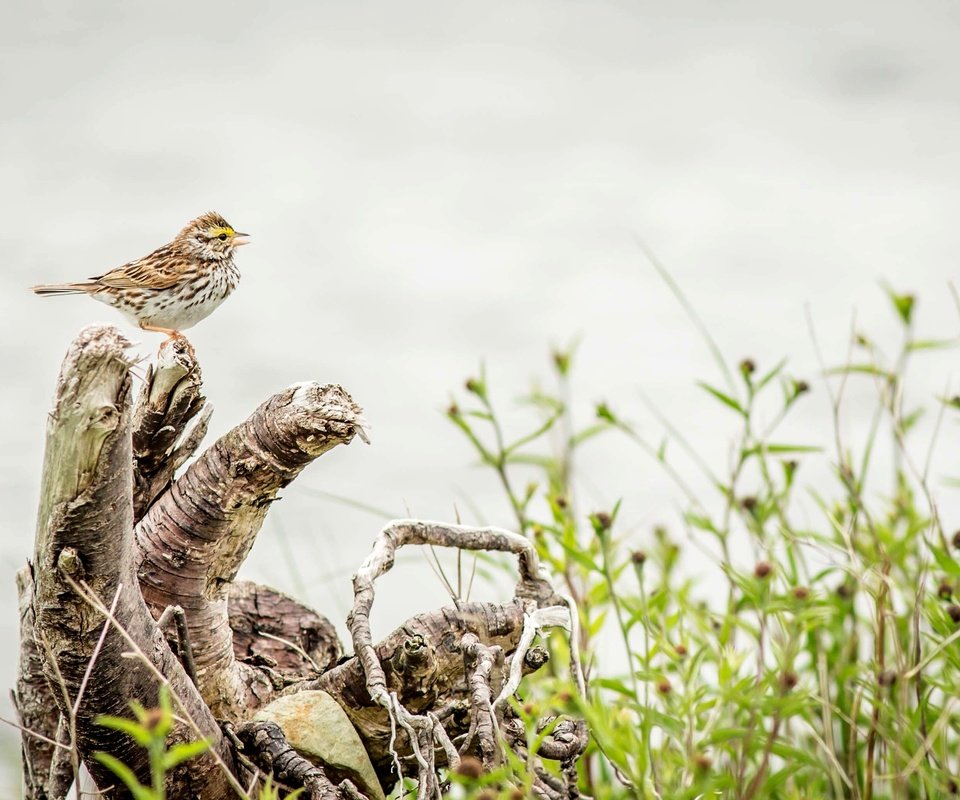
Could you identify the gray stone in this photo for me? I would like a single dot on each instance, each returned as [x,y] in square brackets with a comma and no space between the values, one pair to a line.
[318,728]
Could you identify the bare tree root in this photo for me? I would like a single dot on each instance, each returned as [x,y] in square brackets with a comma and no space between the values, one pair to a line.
[133,586]
[484,667]
[269,748]
[537,606]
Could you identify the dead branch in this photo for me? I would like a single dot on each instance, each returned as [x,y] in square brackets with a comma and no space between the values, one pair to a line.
[194,538]
[400,533]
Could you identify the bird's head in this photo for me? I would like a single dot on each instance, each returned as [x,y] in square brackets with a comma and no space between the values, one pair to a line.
[211,237]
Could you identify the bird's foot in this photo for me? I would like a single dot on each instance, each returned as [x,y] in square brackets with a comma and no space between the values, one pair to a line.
[172,336]
[179,339]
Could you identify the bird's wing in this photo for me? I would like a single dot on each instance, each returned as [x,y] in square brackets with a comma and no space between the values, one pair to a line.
[159,270]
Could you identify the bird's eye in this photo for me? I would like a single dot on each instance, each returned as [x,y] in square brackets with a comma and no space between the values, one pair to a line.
[222,237]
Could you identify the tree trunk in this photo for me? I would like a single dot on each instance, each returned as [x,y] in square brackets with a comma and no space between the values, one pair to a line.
[133,586]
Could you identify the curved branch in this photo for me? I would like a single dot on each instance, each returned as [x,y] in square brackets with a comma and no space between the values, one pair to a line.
[197,534]
[533,584]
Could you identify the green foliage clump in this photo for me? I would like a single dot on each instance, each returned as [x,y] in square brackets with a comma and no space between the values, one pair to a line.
[788,638]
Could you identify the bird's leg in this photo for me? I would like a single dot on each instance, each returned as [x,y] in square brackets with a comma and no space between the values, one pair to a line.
[171,334]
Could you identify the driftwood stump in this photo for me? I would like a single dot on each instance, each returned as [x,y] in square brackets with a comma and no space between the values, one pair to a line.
[133,585]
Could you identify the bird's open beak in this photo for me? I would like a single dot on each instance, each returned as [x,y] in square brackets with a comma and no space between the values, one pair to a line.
[241,239]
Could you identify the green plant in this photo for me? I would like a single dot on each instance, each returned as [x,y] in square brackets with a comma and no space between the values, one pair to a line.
[270,792]
[828,664]
[150,730]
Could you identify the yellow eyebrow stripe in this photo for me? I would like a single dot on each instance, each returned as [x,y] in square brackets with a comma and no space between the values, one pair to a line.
[218,230]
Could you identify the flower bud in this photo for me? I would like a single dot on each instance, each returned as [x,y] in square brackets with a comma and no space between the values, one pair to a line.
[762,570]
[789,679]
[470,767]
[887,678]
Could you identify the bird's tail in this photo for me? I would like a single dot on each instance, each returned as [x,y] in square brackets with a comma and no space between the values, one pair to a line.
[62,288]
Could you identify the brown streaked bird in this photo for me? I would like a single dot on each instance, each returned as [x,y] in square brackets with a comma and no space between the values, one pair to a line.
[174,287]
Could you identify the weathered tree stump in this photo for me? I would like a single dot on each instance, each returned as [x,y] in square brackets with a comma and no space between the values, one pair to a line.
[133,585]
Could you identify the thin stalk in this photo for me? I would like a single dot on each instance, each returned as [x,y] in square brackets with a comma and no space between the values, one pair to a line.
[880,656]
[648,743]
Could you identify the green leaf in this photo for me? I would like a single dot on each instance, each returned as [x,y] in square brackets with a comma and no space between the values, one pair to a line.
[604,413]
[484,415]
[535,434]
[945,561]
[588,433]
[912,419]
[932,344]
[783,448]
[726,399]
[863,369]
[721,735]
[184,752]
[771,374]
[542,401]
[134,730]
[531,459]
[613,685]
[125,774]
[668,723]
[662,450]
[587,563]
[700,521]
[903,304]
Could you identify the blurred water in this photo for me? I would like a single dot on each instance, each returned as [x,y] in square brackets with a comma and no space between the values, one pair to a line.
[434,184]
